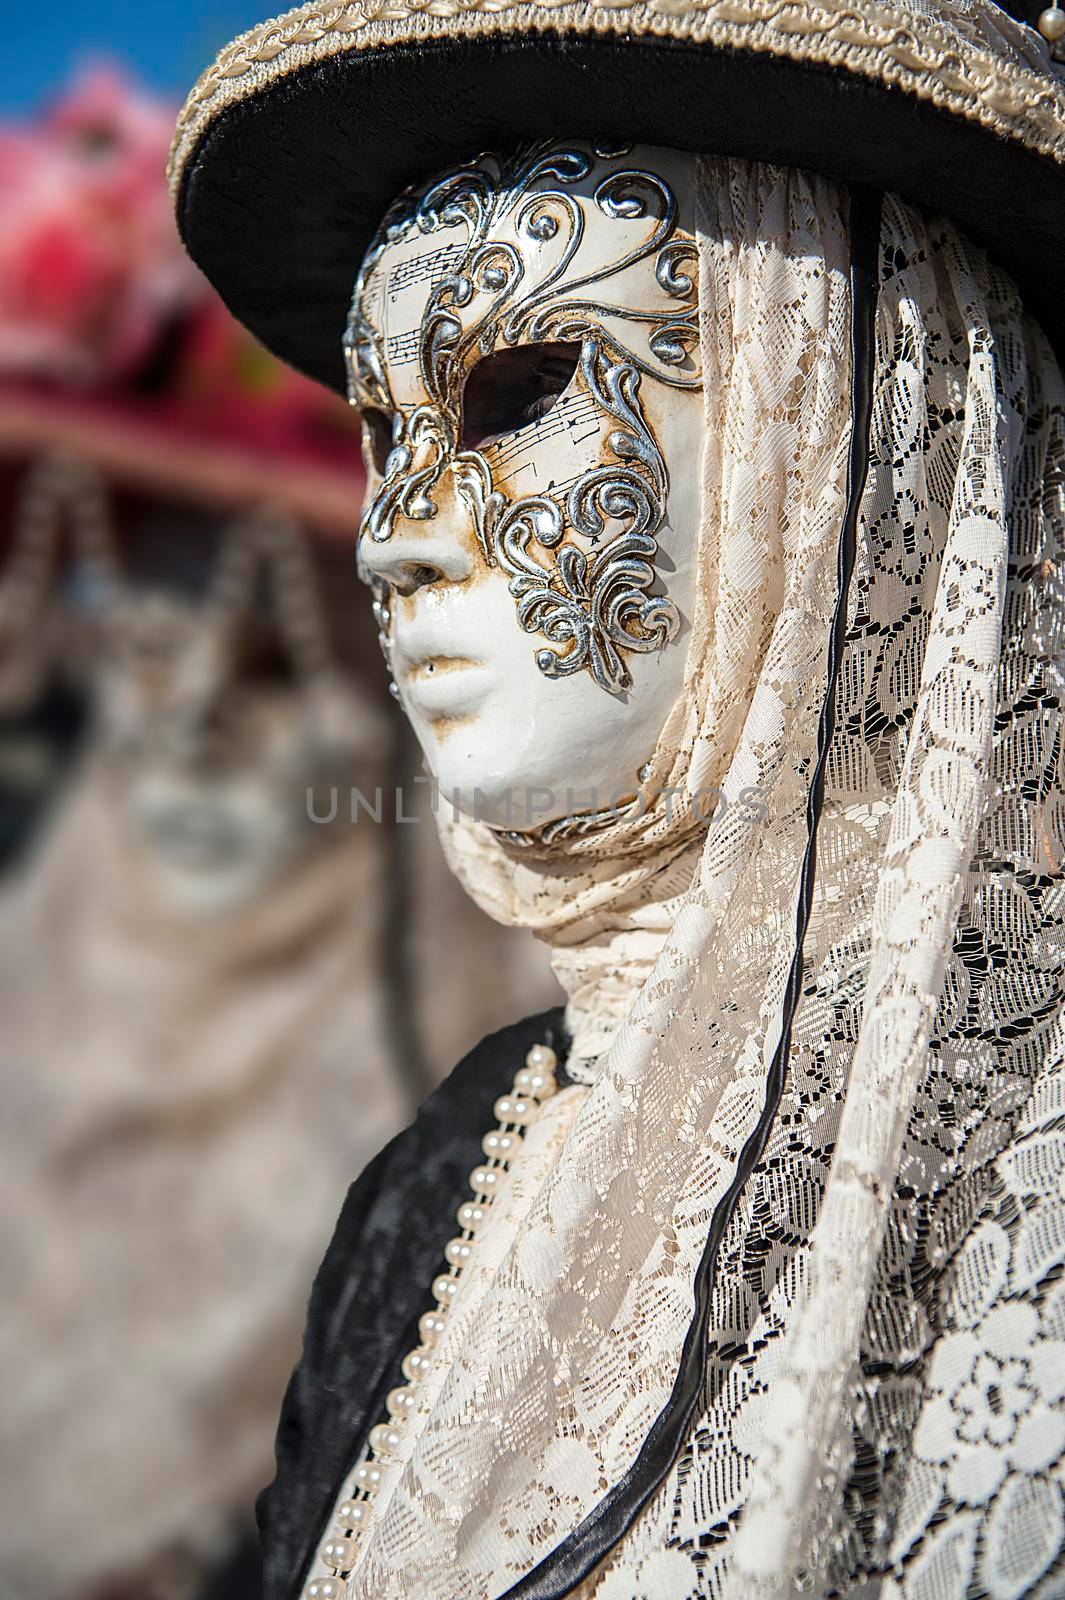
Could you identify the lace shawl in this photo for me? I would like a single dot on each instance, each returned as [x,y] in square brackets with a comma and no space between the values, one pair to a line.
[883,1338]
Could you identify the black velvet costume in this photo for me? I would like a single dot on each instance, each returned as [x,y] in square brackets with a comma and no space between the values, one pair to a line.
[374,1284]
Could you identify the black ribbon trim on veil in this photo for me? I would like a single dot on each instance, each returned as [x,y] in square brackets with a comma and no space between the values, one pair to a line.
[581,1551]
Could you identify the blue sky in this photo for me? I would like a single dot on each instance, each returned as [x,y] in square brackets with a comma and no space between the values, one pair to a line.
[164,42]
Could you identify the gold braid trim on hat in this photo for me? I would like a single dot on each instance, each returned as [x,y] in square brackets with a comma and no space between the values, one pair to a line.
[976,62]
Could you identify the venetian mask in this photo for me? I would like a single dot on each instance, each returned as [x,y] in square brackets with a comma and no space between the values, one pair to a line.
[523,346]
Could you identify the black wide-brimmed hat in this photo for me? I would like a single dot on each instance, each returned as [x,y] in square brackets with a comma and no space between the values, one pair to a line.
[293,143]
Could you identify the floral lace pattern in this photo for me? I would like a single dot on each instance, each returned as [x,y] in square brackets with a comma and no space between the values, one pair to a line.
[949,1481]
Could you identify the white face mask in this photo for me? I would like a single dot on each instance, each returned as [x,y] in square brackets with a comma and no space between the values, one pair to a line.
[523,346]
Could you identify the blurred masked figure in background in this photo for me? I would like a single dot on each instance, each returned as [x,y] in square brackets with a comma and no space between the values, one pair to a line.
[185,979]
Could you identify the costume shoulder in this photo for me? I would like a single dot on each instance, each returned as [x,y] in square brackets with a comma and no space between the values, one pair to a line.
[370,1290]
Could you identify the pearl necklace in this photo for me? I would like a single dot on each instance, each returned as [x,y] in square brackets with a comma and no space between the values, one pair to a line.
[516,1111]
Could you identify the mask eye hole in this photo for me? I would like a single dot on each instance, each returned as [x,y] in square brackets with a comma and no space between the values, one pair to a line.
[377,438]
[512,388]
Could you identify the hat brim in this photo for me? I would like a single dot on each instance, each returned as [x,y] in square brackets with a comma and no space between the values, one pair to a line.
[280,188]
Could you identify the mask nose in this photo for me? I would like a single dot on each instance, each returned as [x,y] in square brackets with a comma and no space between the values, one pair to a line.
[417,552]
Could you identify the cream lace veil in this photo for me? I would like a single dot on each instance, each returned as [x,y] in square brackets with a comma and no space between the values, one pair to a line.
[828,1191]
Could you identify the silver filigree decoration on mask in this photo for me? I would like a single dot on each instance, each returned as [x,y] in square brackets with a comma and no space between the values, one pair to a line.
[594,607]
